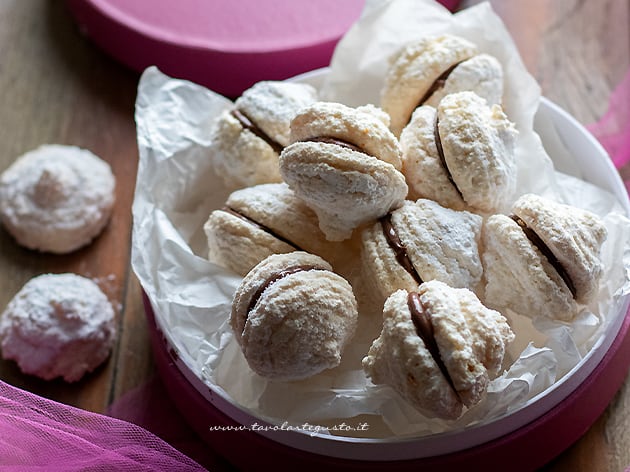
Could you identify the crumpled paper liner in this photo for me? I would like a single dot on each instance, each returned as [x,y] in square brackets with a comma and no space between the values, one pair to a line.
[177,189]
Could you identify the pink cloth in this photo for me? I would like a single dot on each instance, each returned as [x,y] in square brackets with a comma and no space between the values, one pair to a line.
[39,434]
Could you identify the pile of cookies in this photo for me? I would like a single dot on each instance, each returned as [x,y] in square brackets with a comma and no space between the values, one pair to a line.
[425,184]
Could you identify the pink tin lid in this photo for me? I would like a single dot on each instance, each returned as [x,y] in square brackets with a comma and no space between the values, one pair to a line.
[225,45]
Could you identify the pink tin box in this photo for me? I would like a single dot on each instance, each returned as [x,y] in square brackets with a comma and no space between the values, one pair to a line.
[224,45]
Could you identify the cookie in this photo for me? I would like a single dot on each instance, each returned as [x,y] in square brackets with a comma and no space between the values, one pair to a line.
[461,154]
[249,137]
[56,198]
[419,242]
[344,163]
[439,348]
[544,260]
[422,73]
[58,325]
[259,221]
[293,316]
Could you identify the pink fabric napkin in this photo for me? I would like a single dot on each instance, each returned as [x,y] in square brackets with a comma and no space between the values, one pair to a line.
[40,434]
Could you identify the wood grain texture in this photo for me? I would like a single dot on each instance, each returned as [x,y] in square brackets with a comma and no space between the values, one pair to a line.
[57,87]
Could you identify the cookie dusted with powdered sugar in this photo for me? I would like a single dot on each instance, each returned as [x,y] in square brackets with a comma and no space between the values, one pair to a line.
[461,154]
[345,164]
[419,242]
[249,137]
[544,260]
[58,325]
[425,71]
[56,198]
[258,221]
[438,348]
[293,316]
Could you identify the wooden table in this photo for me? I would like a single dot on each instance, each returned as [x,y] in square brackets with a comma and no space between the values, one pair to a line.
[56,87]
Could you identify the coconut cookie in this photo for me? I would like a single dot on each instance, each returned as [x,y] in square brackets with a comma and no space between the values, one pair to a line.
[58,325]
[345,164]
[419,242]
[439,347]
[293,316]
[249,138]
[259,221]
[56,198]
[425,71]
[543,260]
[461,154]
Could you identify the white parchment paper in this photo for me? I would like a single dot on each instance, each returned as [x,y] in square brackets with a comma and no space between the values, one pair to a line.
[177,189]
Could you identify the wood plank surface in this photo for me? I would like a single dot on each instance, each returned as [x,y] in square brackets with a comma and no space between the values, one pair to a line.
[57,87]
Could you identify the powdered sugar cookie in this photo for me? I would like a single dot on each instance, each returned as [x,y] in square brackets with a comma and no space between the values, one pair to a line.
[344,163]
[249,137]
[58,325]
[259,221]
[422,241]
[544,260]
[423,72]
[56,198]
[293,316]
[461,154]
[439,348]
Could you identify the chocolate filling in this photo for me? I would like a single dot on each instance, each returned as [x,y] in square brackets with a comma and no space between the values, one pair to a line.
[264,228]
[392,238]
[422,321]
[440,151]
[544,249]
[274,278]
[338,142]
[248,124]
[438,83]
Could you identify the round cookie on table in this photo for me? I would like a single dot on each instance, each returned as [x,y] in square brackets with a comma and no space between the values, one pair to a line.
[58,325]
[249,137]
[259,221]
[56,198]
[293,316]
[425,71]
[422,241]
[345,164]
[439,348]
[544,259]
[461,154]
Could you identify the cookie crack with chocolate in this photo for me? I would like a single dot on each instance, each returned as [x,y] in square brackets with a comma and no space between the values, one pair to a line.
[339,142]
[273,279]
[438,83]
[546,252]
[400,251]
[424,328]
[440,151]
[249,124]
[260,226]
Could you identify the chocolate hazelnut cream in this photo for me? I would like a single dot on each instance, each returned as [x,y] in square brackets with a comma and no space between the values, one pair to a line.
[262,227]
[546,251]
[424,327]
[273,278]
[248,124]
[438,83]
[338,142]
[440,151]
[394,242]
